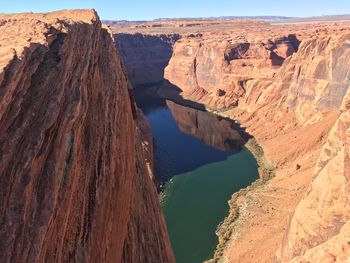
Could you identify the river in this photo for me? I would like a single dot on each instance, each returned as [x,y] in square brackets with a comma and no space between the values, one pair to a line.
[200,160]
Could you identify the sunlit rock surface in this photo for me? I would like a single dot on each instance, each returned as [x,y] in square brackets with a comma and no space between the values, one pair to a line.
[287,85]
[75,185]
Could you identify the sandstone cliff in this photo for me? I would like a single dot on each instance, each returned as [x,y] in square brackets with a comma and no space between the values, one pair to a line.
[74,179]
[319,228]
[145,56]
[287,85]
[215,71]
[277,89]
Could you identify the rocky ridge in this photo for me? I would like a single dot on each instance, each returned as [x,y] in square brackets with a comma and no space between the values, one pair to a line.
[74,169]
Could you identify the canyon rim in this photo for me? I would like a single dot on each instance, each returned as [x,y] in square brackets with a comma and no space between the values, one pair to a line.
[79,153]
[287,84]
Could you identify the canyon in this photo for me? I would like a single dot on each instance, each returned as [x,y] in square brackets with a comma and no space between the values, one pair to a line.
[288,85]
[200,161]
[75,153]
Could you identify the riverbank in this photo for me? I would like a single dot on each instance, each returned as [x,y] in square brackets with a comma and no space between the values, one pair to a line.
[203,159]
[230,227]
[259,215]
[197,203]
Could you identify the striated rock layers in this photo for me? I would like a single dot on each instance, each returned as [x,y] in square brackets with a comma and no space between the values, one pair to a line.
[289,86]
[275,88]
[215,72]
[324,235]
[75,184]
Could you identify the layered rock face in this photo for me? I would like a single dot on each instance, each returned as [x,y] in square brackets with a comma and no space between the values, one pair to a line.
[75,182]
[323,235]
[215,71]
[147,237]
[308,83]
[317,76]
[220,70]
[289,86]
[145,56]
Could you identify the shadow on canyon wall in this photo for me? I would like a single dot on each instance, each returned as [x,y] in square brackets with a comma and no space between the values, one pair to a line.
[186,136]
[145,56]
[163,90]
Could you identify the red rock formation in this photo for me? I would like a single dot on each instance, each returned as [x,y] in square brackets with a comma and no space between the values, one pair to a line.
[323,235]
[147,238]
[214,70]
[75,184]
[319,75]
[310,84]
[289,96]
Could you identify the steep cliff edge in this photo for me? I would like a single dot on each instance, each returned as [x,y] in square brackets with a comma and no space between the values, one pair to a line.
[215,70]
[145,56]
[75,182]
[287,85]
[324,235]
[289,102]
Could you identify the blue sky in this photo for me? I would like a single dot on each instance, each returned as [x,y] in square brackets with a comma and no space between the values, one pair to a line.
[150,9]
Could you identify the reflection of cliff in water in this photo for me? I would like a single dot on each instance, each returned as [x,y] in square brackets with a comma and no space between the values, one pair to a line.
[186,138]
[218,132]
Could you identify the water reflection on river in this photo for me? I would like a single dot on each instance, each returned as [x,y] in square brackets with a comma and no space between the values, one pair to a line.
[205,156]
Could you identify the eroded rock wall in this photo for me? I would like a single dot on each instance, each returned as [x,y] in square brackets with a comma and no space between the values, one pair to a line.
[287,85]
[147,238]
[216,71]
[145,56]
[75,185]
[273,100]
[319,75]
[318,228]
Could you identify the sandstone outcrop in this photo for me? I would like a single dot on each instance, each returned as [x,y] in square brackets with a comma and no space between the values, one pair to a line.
[289,86]
[308,85]
[75,184]
[323,235]
[215,72]
[147,238]
[319,76]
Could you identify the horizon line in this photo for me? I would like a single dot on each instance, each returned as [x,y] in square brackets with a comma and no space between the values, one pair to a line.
[228,16]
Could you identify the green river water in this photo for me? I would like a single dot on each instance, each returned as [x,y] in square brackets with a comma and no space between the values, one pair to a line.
[200,159]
